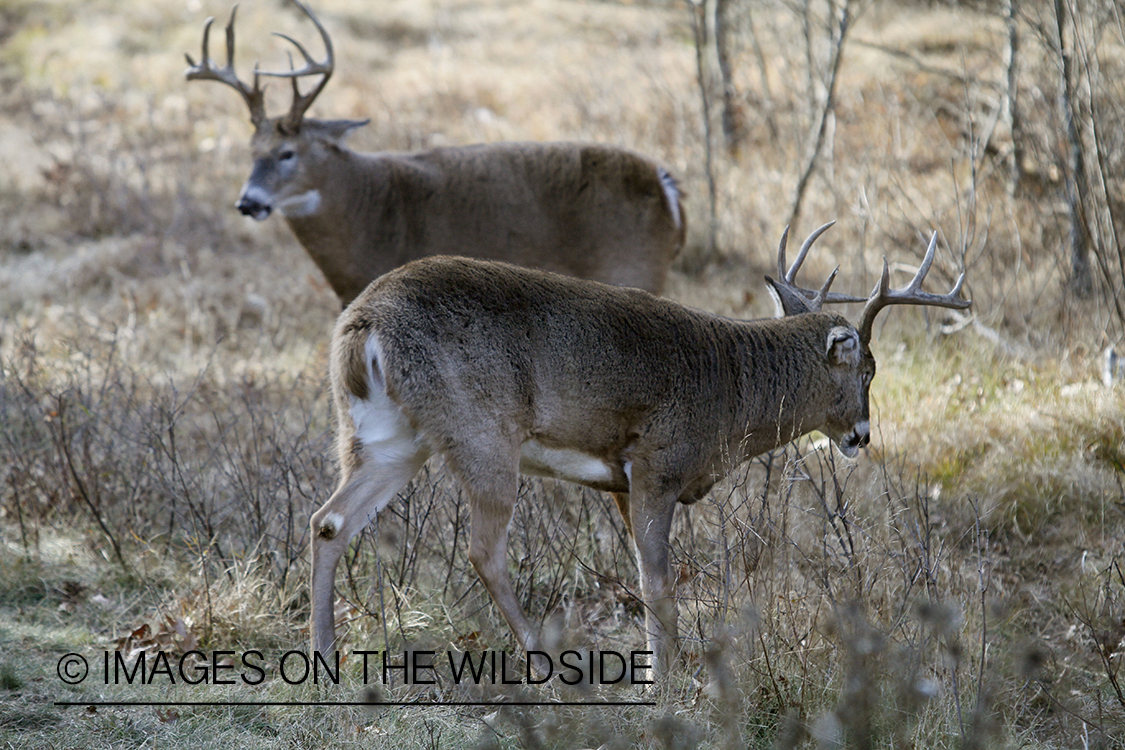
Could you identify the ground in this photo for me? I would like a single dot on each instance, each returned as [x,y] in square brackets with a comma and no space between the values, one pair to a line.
[167,432]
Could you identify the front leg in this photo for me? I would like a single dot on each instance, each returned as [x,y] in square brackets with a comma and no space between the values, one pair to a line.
[651,515]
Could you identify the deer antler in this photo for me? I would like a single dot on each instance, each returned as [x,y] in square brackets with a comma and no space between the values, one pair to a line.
[912,294]
[206,71]
[301,102]
[795,299]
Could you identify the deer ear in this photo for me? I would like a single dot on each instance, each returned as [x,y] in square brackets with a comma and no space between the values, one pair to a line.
[786,301]
[843,346]
[333,131]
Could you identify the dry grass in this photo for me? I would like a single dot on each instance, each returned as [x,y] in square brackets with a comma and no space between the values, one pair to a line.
[165,430]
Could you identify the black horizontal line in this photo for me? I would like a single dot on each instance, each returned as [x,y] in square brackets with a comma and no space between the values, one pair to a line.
[354,703]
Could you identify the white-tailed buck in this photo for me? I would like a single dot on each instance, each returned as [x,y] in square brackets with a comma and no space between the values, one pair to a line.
[502,369]
[586,210]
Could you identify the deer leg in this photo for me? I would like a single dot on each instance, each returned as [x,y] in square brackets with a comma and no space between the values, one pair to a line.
[367,490]
[492,500]
[622,500]
[651,525]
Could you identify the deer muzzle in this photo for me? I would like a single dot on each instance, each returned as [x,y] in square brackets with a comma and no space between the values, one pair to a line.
[249,206]
[856,439]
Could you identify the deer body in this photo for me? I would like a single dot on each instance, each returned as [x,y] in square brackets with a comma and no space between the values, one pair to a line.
[587,210]
[584,210]
[502,369]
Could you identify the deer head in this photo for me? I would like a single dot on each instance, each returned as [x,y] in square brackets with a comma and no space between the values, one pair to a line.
[282,146]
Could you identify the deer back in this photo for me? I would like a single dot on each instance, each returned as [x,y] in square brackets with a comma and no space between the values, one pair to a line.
[618,374]
[583,210]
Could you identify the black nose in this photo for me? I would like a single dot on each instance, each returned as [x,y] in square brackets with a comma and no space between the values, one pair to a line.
[251,207]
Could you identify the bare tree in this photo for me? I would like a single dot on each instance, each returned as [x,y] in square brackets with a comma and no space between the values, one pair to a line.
[701,32]
[1081,278]
[724,37]
[1011,94]
[839,20]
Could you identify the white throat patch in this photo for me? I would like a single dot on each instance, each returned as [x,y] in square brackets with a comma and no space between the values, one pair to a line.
[305,204]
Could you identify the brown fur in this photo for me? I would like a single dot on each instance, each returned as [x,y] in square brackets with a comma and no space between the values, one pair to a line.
[585,210]
[535,343]
[480,357]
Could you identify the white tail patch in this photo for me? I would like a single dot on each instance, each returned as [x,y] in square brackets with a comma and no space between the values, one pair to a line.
[672,193]
[380,426]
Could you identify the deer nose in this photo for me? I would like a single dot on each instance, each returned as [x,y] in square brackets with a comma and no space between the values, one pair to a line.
[862,434]
[858,438]
[250,207]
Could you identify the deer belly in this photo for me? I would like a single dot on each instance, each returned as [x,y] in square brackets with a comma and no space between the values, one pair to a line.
[572,466]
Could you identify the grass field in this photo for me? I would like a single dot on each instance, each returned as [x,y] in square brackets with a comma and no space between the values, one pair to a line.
[166,431]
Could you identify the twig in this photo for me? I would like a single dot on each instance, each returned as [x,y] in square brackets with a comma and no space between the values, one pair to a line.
[825,112]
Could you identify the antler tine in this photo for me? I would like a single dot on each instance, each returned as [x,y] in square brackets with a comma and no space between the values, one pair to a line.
[804,251]
[195,71]
[823,293]
[815,299]
[312,67]
[781,274]
[301,102]
[911,294]
[206,70]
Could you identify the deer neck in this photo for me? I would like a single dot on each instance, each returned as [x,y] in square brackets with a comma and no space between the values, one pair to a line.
[785,382]
[337,234]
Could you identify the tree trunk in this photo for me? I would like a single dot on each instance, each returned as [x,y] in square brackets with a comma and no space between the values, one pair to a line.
[1081,277]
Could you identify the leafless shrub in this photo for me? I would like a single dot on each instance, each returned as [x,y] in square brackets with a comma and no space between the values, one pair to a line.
[153,463]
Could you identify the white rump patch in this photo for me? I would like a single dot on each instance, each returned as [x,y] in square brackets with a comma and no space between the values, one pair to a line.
[391,450]
[378,421]
[305,204]
[563,463]
[380,426]
[672,193]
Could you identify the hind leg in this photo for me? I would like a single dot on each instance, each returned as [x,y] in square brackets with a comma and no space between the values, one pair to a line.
[486,459]
[385,469]
[492,503]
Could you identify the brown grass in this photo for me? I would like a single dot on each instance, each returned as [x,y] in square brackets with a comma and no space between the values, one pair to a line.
[166,431]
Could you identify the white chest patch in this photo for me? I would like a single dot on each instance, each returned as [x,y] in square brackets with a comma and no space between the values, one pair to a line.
[305,204]
[563,463]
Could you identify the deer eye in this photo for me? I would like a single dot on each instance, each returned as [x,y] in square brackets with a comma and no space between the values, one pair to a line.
[287,154]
